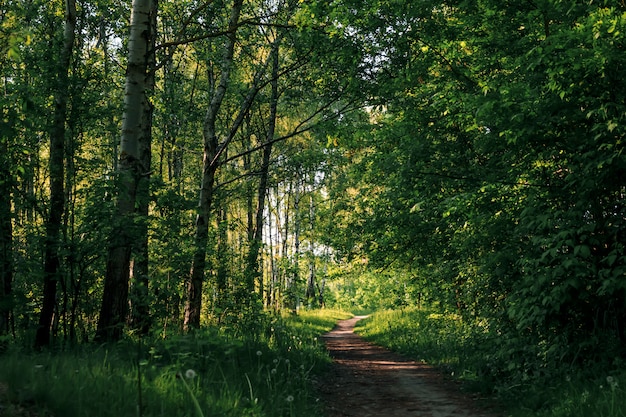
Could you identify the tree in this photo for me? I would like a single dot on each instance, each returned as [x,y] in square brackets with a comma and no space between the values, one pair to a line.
[492,168]
[253,272]
[8,132]
[212,151]
[6,235]
[135,135]
[140,317]
[57,180]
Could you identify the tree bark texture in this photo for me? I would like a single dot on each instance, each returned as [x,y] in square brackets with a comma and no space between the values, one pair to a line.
[57,178]
[114,307]
[140,299]
[193,302]
[6,240]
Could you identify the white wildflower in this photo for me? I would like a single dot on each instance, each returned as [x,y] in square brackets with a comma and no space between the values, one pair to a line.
[611,381]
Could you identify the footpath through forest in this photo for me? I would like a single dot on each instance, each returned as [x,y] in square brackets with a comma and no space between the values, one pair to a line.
[367,380]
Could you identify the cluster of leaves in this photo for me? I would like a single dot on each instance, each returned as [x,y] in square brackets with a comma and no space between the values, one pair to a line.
[467,352]
[189,54]
[493,172]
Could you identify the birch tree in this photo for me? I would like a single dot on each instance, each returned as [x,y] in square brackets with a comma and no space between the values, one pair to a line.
[135,137]
[211,153]
[140,317]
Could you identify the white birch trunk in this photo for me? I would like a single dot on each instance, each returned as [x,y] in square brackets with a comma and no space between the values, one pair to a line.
[114,306]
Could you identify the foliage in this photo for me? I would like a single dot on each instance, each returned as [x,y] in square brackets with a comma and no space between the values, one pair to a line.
[492,173]
[469,352]
[443,340]
[462,155]
[267,375]
[357,289]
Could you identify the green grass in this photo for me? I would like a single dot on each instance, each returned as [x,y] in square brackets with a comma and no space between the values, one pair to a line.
[579,397]
[472,354]
[210,373]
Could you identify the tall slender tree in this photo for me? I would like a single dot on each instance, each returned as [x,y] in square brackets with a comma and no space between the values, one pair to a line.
[256,236]
[212,151]
[139,296]
[57,179]
[6,234]
[135,132]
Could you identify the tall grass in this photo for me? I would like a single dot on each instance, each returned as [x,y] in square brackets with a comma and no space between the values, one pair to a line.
[210,373]
[470,352]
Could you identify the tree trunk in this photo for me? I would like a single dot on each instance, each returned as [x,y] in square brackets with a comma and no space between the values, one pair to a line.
[221,274]
[311,285]
[293,288]
[6,240]
[114,305]
[320,290]
[271,269]
[139,296]
[286,279]
[252,266]
[193,302]
[57,179]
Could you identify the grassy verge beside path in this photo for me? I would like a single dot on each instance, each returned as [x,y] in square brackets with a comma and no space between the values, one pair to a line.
[472,354]
[264,371]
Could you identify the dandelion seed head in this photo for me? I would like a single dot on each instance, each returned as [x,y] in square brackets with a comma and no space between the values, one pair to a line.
[190,374]
[259,353]
[289,398]
[273,371]
[611,381]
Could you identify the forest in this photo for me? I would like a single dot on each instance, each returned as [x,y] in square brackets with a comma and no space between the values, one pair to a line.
[183,182]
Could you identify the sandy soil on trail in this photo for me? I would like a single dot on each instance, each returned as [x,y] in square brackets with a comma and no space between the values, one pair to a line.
[367,380]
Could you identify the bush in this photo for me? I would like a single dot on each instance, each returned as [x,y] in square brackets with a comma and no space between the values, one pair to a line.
[529,378]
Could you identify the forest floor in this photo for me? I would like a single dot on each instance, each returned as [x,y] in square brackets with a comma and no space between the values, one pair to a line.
[366,380]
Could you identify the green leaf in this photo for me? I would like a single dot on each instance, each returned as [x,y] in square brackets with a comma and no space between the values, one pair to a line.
[583,251]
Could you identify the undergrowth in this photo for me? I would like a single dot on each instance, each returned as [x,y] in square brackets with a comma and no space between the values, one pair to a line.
[524,382]
[265,371]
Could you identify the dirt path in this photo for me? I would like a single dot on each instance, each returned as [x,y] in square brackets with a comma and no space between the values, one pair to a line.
[367,380]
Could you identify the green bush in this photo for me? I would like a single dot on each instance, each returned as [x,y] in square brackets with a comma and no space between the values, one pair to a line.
[528,378]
